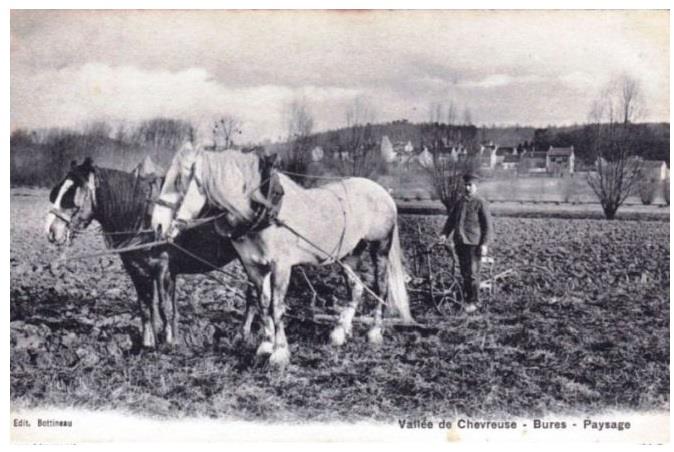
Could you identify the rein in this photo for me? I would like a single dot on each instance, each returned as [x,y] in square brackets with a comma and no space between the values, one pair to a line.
[68,219]
[117,250]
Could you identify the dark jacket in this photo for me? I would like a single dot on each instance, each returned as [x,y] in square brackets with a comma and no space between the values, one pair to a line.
[470,221]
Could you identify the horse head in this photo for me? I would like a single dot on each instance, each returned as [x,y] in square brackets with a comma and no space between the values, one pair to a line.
[228,181]
[73,202]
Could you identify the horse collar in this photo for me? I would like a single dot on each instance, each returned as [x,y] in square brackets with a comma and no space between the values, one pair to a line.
[266,210]
[269,207]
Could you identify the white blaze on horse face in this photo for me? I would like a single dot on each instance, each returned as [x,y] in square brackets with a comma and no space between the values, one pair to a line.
[52,231]
[193,202]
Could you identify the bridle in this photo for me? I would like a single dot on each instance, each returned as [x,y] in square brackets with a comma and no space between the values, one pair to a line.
[63,216]
[175,206]
[67,217]
[265,210]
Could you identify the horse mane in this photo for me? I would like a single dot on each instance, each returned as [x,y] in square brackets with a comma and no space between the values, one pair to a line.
[228,179]
[121,203]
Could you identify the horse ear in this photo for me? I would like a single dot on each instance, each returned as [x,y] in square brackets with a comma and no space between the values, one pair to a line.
[88,163]
[270,160]
[73,164]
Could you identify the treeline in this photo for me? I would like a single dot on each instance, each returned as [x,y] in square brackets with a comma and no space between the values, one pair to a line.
[42,157]
[648,140]
[397,131]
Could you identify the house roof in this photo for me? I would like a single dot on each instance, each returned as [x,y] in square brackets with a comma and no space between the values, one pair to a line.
[654,164]
[505,151]
[535,155]
[560,152]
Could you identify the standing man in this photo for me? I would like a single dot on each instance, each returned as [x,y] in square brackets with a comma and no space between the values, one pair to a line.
[471,223]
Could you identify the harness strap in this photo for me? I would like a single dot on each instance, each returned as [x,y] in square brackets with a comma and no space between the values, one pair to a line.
[332,259]
[160,202]
[61,215]
[271,205]
[266,209]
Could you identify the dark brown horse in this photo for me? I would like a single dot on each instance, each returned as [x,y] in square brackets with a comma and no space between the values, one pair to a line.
[121,203]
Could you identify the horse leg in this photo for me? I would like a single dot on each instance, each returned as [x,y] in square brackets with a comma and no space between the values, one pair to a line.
[261,276]
[379,255]
[171,324]
[354,289]
[246,335]
[280,356]
[146,293]
[155,307]
[166,298]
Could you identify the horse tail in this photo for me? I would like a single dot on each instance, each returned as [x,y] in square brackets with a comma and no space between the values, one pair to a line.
[395,279]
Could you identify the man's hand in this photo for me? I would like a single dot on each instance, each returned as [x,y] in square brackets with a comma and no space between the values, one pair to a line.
[483,250]
[442,240]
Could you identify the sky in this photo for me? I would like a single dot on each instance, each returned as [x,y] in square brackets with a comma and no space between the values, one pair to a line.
[538,68]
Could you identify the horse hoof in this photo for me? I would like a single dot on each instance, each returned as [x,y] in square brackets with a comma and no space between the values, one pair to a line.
[265,348]
[375,337]
[149,342]
[338,336]
[170,339]
[247,341]
[280,358]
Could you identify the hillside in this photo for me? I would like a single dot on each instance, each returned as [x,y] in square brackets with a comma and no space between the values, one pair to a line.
[42,160]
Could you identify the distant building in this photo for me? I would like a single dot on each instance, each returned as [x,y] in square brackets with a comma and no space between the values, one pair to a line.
[487,155]
[425,158]
[534,162]
[560,160]
[502,153]
[511,162]
[338,153]
[387,152]
[654,170]
[317,154]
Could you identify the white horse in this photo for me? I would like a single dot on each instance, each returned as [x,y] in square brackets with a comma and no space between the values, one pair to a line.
[272,233]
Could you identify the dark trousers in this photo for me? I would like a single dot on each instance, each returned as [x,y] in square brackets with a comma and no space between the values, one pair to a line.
[469,263]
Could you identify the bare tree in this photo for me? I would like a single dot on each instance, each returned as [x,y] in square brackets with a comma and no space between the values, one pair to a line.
[448,168]
[446,176]
[630,98]
[451,113]
[467,117]
[618,169]
[435,112]
[364,156]
[98,129]
[299,123]
[439,113]
[224,131]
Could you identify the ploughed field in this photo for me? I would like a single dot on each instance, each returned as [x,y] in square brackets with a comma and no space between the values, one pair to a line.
[578,324]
